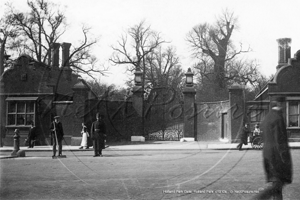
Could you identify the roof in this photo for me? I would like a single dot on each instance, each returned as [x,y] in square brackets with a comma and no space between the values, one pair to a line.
[80,85]
[21,98]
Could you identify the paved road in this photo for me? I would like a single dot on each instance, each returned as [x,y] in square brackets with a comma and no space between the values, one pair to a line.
[169,174]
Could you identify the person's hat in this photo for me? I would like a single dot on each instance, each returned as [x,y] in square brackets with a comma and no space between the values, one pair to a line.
[56,117]
[98,115]
[274,102]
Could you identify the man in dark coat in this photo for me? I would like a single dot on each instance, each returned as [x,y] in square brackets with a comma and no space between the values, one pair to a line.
[243,137]
[98,134]
[276,153]
[31,135]
[57,135]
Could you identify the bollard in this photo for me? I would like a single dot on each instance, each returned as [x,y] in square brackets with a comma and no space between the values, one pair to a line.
[16,142]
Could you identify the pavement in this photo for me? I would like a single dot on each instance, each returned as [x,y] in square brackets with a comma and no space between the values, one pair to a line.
[5,151]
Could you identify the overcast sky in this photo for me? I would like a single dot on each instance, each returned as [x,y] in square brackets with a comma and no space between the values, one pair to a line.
[261,22]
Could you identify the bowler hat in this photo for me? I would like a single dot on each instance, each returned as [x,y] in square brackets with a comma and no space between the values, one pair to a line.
[56,117]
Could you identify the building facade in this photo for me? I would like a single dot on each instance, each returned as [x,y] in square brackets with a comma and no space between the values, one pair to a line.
[34,92]
[286,83]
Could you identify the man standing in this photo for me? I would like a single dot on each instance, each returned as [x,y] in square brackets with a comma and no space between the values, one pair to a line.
[98,131]
[276,153]
[243,137]
[57,135]
[31,135]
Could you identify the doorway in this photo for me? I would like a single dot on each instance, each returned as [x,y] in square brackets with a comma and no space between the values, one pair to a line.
[224,125]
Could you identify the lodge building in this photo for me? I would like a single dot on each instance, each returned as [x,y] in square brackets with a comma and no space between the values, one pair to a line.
[286,83]
[35,92]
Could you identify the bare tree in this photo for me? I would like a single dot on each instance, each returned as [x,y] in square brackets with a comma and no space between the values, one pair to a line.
[43,26]
[133,53]
[107,92]
[160,65]
[213,46]
[7,34]
[39,28]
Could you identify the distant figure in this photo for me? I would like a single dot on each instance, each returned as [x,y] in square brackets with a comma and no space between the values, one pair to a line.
[256,130]
[276,153]
[57,135]
[85,135]
[243,137]
[98,134]
[31,135]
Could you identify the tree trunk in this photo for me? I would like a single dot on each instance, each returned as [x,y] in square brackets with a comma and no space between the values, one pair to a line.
[219,78]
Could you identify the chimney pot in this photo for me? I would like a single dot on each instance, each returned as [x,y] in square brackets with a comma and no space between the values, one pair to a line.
[284,51]
[55,55]
[65,54]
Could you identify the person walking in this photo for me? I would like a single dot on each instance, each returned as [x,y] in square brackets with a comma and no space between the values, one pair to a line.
[31,135]
[85,135]
[277,159]
[243,137]
[57,135]
[98,134]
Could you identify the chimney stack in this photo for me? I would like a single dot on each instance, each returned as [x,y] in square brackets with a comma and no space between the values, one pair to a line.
[65,54]
[55,55]
[67,71]
[284,51]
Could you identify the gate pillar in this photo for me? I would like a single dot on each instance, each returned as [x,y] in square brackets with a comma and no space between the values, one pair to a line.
[189,92]
[236,111]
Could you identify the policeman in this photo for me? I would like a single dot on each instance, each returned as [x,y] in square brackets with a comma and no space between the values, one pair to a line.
[98,134]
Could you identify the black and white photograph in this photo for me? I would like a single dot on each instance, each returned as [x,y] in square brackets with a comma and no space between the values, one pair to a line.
[149,99]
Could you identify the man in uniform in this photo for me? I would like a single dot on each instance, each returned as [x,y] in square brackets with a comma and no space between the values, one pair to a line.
[57,135]
[98,131]
[276,153]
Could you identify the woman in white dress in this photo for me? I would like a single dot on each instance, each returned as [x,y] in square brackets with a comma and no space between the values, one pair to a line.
[85,135]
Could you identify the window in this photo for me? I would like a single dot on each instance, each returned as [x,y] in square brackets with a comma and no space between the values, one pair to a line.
[20,111]
[293,114]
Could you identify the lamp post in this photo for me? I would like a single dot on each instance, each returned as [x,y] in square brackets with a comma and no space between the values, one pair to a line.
[139,91]
[138,77]
[189,78]
[189,93]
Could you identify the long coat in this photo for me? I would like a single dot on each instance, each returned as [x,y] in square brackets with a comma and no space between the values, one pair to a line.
[243,136]
[59,130]
[98,132]
[32,133]
[276,153]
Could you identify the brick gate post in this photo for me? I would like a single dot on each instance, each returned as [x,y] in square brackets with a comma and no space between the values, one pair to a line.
[80,95]
[236,111]
[189,92]
[138,104]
